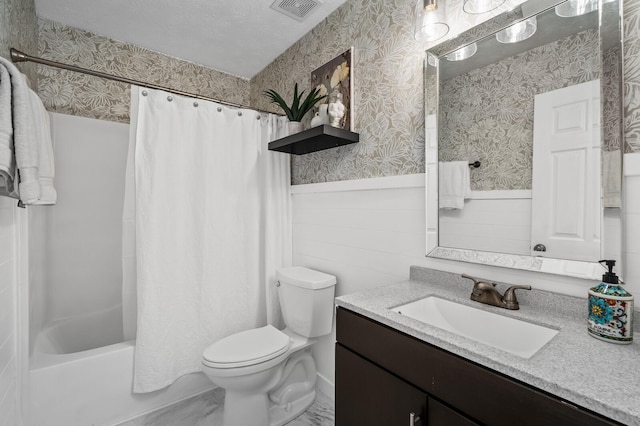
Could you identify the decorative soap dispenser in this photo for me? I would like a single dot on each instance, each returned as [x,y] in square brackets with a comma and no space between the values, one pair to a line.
[610,309]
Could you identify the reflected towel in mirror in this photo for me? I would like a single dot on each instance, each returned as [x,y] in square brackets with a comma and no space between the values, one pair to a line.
[455,184]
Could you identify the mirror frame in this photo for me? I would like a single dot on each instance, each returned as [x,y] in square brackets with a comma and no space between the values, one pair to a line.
[572,268]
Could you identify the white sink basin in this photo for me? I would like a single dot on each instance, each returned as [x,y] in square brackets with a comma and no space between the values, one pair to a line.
[511,335]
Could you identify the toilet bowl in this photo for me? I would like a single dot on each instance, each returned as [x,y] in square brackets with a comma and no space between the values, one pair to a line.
[268,374]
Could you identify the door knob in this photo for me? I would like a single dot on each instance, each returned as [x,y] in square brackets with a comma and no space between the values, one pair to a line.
[539,247]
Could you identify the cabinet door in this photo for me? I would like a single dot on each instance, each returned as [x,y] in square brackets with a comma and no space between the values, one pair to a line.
[441,415]
[368,395]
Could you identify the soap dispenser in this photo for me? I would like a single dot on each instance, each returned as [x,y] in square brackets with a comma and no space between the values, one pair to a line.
[610,309]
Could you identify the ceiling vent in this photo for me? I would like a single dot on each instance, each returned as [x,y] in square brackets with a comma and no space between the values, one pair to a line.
[296,9]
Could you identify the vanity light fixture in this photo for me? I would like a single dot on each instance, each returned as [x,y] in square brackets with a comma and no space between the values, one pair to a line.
[518,31]
[571,8]
[463,53]
[476,7]
[430,20]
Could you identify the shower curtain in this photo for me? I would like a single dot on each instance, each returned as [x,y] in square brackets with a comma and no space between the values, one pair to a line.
[206,223]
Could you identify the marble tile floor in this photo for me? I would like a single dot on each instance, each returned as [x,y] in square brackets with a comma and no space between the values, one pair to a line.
[206,410]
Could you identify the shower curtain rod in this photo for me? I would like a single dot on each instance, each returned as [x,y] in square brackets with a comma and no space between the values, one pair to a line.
[18,56]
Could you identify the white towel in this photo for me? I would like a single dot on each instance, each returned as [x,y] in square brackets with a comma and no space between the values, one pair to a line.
[46,166]
[7,159]
[26,152]
[455,184]
[611,178]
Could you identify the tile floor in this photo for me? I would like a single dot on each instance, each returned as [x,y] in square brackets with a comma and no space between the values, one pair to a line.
[206,410]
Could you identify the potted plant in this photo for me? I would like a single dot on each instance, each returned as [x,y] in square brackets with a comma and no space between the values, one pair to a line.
[297,110]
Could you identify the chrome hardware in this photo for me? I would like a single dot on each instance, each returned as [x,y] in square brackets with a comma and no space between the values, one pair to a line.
[488,294]
[170,98]
[219,109]
[277,283]
[145,93]
[239,113]
[195,104]
[539,247]
[413,419]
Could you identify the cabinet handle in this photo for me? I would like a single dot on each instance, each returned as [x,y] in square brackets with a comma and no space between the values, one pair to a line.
[413,419]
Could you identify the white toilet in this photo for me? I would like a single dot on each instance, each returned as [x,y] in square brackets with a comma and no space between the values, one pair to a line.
[269,375]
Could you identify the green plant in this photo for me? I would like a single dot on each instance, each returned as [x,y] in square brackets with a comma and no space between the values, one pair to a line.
[297,110]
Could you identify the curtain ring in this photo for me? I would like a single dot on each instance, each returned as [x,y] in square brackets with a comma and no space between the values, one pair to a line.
[239,113]
[170,98]
[219,109]
[195,104]
[145,93]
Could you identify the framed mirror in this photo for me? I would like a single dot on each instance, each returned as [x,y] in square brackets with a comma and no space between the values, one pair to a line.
[524,139]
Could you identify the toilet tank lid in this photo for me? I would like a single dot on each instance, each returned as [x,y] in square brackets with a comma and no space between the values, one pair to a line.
[306,278]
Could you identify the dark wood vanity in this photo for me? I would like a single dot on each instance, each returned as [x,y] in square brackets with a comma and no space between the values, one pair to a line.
[384,375]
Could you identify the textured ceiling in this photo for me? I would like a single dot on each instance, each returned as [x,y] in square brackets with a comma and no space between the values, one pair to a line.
[238,37]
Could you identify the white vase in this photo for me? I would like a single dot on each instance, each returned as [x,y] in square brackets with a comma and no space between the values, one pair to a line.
[295,127]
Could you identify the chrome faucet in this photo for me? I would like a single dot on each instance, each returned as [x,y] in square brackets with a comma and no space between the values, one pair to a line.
[487,293]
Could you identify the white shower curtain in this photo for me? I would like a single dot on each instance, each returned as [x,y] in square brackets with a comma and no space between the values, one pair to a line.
[206,223]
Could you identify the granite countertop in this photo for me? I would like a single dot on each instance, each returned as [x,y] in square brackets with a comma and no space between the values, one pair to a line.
[594,374]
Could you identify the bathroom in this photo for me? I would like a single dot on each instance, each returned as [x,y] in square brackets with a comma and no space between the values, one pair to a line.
[358,211]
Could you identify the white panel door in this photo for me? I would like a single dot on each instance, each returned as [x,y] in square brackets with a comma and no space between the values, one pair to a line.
[566,213]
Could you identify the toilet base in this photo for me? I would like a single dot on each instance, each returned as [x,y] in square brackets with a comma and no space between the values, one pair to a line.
[280,415]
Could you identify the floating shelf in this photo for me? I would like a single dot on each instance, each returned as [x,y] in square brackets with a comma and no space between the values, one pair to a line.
[314,139]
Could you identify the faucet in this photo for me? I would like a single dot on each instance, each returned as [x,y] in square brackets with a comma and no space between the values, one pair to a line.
[487,293]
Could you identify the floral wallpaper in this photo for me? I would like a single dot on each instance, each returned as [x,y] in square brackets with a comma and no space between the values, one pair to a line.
[487,113]
[388,79]
[84,95]
[19,29]
[631,70]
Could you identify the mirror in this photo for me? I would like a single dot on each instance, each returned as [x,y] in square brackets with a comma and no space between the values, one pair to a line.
[527,109]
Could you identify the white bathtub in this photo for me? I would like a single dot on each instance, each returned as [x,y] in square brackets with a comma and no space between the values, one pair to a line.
[81,376]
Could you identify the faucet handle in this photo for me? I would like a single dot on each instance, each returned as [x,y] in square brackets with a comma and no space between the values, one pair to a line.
[510,300]
[479,286]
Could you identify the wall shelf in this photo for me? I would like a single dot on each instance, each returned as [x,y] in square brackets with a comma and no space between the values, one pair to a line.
[314,139]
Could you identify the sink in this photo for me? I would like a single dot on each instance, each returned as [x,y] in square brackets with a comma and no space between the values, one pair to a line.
[517,337]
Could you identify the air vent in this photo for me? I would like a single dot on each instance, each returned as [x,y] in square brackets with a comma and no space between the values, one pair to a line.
[296,9]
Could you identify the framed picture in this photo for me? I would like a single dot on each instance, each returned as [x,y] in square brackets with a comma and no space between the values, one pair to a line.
[335,79]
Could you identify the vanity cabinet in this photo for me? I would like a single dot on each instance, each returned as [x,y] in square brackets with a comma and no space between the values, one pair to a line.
[383,375]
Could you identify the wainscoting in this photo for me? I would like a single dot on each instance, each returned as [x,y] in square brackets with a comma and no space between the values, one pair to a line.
[365,232]
[498,221]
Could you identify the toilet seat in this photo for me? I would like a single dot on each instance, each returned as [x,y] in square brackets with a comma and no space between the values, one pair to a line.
[246,348]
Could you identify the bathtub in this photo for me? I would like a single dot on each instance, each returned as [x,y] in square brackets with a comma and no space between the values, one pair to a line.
[81,374]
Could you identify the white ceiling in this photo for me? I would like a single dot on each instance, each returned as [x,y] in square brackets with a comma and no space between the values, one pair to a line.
[238,37]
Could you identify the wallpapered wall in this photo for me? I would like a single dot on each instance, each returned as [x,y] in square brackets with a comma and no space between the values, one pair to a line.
[387,74]
[631,69]
[19,29]
[487,113]
[84,95]
[388,83]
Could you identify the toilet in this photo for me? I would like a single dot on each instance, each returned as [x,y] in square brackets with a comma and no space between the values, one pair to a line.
[268,374]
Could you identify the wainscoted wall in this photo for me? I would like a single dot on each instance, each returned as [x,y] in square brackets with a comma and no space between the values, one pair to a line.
[504,218]
[87,96]
[369,232]
[496,104]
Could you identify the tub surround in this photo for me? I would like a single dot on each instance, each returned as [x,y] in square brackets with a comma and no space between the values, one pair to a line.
[570,366]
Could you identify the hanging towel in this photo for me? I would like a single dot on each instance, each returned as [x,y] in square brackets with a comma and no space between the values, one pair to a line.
[611,178]
[42,132]
[7,159]
[455,184]
[26,152]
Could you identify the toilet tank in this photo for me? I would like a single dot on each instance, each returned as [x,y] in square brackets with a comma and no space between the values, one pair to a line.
[306,300]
